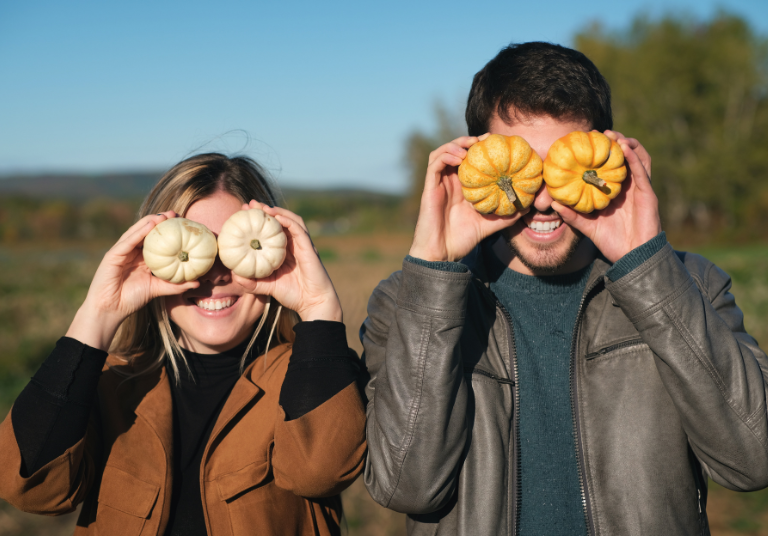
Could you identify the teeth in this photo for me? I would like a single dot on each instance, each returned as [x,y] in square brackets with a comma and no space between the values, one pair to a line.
[214,305]
[544,226]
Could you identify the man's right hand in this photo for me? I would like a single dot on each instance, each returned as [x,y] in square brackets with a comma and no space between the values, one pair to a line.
[449,227]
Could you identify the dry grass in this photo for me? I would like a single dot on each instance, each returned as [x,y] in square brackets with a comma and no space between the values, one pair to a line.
[47,285]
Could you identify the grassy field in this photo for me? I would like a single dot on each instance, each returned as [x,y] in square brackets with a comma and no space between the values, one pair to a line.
[43,286]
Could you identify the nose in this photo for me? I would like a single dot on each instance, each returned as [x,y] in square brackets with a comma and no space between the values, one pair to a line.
[543,200]
[218,274]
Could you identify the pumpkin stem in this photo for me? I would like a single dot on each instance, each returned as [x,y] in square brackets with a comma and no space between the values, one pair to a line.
[255,244]
[590,177]
[183,256]
[505,183]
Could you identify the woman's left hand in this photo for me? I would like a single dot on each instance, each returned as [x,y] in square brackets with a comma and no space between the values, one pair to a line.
[301,283]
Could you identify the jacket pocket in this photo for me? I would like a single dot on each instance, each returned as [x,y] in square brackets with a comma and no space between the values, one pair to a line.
[125,502]
[232,485]
[623,345]
[255,505]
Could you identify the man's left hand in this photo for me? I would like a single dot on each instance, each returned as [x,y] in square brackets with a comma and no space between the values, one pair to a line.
[632,218]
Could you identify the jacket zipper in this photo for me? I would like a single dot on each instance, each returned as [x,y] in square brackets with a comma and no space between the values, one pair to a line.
[611,348]
[515,416]
[575,414]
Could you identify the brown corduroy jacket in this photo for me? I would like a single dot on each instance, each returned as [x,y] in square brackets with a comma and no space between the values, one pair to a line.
[260,473]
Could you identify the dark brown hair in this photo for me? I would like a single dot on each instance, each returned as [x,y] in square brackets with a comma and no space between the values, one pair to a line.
[539,79]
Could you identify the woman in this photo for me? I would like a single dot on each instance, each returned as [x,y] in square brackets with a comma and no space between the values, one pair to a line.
[202,422]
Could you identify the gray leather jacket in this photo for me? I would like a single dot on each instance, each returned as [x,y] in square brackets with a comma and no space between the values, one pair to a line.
[667,388]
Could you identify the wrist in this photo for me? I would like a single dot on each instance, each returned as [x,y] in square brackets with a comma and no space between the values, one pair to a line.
[427,254]
[329,309]
[93,328]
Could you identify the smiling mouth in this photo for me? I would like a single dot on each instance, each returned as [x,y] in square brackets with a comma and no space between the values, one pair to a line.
[544,226]
[210,304]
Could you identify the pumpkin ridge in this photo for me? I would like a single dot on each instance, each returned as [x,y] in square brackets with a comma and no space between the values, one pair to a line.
[594,165]
[487,157]
[476,179]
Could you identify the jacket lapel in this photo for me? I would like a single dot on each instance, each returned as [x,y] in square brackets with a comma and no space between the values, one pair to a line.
[247,388]
[156,408]
[242,393]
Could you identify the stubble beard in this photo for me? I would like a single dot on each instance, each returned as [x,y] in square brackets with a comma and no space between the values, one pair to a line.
[548,260]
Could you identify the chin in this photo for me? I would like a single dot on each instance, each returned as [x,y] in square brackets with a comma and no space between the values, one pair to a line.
[546,258]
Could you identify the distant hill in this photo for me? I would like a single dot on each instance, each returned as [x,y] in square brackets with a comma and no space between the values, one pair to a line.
[81,188]
[77,187]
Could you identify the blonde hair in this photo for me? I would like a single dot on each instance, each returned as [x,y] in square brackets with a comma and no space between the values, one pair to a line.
[147,338]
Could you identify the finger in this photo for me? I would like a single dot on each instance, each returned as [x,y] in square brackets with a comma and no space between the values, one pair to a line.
[581,222]
[614,135]
[156,218]
[161,287]
[263,286]
[636,146]
[298,234]
[466,141]
[449,148]
[640,177]
[136,234]
[484,136]
[494,224]
[275,211]
[642,154]
[439,168]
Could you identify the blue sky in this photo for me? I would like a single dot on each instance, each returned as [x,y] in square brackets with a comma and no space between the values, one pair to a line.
[322,93]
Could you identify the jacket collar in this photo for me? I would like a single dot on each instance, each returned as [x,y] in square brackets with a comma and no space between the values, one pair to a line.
[156,404]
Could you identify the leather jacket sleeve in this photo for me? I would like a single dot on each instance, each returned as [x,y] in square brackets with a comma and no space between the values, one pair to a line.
[714,372]
[417,396]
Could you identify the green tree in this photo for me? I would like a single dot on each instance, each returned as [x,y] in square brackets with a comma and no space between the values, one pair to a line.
[696,95]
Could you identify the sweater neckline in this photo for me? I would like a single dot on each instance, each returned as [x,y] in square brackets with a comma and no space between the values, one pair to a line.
[209,369]
[500,274]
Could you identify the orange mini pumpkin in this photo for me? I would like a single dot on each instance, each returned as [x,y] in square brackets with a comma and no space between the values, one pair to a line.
[584,170]
[500,175]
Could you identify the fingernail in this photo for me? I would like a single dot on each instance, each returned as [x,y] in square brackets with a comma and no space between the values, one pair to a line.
[158,214]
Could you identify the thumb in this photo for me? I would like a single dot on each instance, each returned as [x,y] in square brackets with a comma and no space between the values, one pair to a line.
[255,286]
[161,287]
[575,219]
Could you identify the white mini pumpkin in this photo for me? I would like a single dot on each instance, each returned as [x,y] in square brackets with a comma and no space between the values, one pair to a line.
[252,244]
[179,250]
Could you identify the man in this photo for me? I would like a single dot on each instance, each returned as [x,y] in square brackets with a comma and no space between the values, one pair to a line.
[573,374]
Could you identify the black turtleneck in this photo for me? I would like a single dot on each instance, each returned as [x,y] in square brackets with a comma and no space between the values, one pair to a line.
[51,413]
[197,401]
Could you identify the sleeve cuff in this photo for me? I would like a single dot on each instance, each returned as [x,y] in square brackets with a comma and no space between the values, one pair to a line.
[636,257]
[319,339]
[444,266]
[72,367]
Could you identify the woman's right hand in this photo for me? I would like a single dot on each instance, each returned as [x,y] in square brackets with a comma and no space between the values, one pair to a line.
[122,285]
[449,227]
